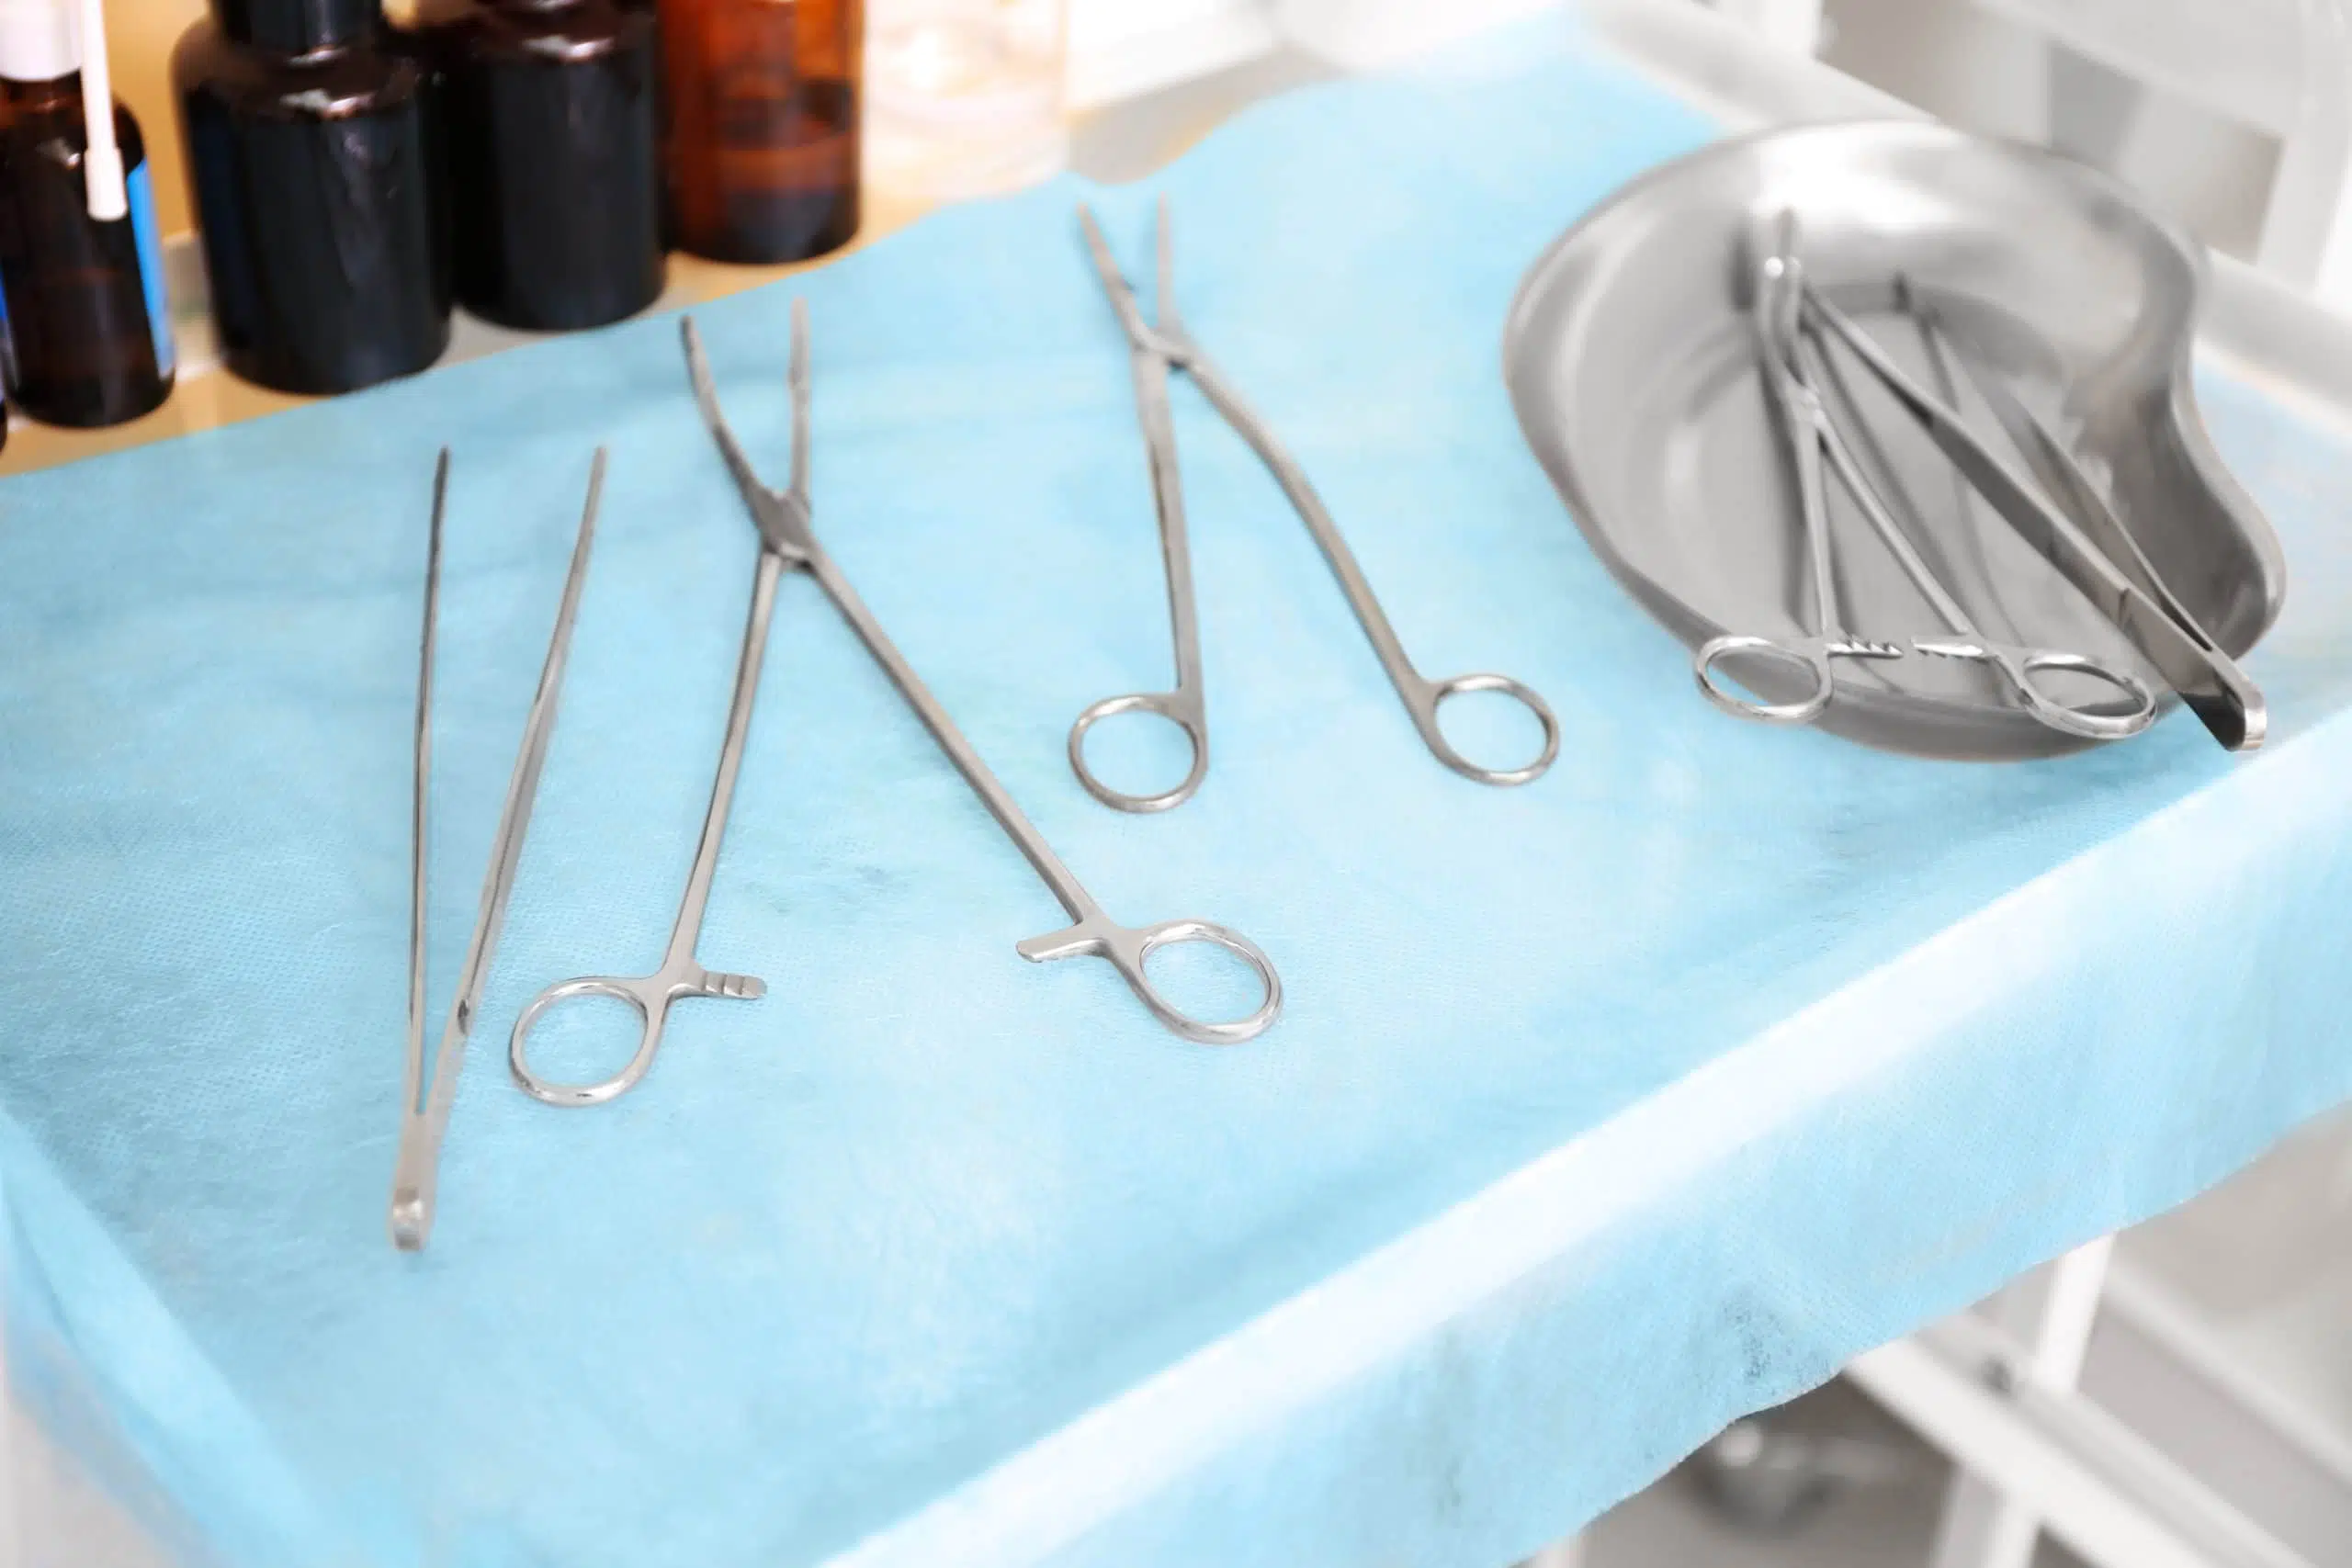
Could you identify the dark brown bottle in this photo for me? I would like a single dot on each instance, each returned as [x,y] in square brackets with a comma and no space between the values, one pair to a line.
[309,170]
[761,141]
[89,337]
[550,160]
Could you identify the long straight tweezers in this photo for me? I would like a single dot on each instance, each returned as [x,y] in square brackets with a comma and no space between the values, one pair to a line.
[425,1105]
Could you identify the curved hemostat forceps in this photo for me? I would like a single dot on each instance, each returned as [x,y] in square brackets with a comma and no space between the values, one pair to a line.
[788,543]
[1793,364]
[1158,348]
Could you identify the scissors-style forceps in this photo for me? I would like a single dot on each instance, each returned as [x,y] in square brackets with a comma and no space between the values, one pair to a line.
[681,975]
[1804,424]
[1165,345]
[2076,531]
[1793,364]
[788,542]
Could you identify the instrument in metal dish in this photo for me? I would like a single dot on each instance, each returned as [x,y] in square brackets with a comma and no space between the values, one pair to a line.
[1795,369]
[1631,359]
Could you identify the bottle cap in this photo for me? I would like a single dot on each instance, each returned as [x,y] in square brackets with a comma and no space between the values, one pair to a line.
[296,27]
[39,39]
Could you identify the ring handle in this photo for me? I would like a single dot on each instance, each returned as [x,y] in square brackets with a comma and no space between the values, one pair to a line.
[1438,692]
[647,996]
[1813,660]
[2028,662]
[1178,708]
[1174,933]
[1126,948]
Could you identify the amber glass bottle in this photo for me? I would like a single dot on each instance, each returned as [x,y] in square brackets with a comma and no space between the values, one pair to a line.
[307,162]
[762,140]
[551,158]
[88,335]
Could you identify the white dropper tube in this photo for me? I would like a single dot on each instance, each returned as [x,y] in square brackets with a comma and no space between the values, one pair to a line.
[102,163]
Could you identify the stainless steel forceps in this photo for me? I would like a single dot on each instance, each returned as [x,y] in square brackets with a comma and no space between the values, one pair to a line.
[1163,346]
[2080,535]
[787,542]
[425,1102]
[681,974]
[1794,368]
[1803,421]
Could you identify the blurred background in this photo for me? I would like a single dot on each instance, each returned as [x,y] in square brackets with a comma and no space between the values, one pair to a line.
[2191,100]
[2233,116]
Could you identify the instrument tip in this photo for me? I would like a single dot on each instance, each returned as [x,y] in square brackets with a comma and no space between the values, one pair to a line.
[411,1219]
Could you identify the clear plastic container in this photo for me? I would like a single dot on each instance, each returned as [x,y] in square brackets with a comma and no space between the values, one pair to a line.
[964,97]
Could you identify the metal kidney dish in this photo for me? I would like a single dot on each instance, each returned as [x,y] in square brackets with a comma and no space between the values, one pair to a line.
[1632,362]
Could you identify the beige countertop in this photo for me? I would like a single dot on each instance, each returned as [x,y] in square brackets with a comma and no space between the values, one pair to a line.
[1118,142]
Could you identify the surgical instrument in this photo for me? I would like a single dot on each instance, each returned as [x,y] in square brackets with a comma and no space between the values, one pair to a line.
[2018,665]
[784,520]
[2097,553]
[681,974]
[1795,365]
[1777,275]
[424,1106]
[1158,349]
